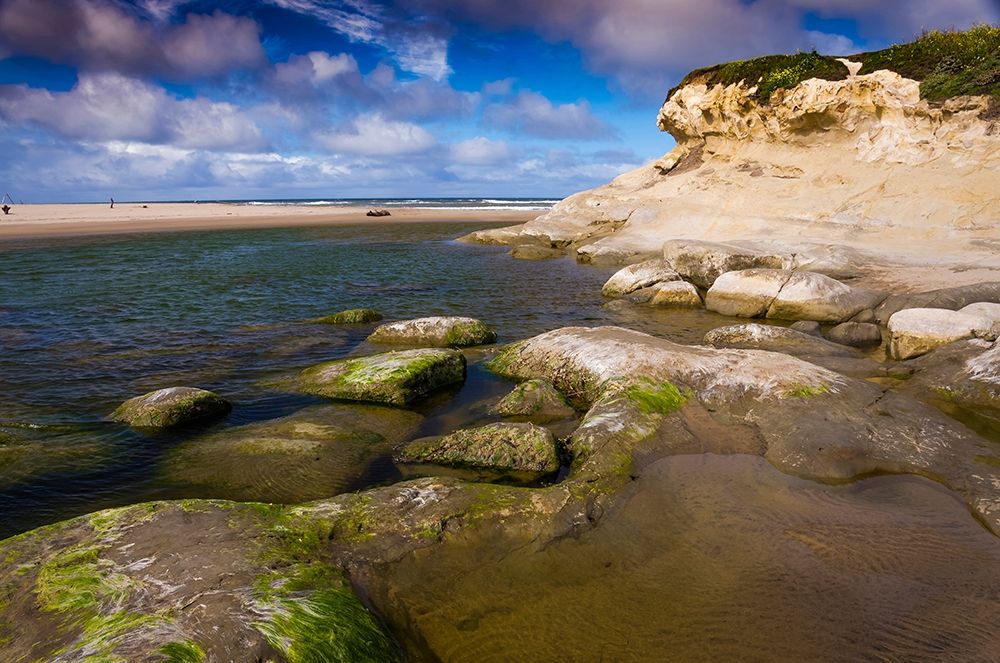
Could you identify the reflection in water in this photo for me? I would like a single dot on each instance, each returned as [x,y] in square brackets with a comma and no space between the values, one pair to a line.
[718,558]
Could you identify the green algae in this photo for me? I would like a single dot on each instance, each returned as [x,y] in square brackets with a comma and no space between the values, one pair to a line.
[499,446]
[179,407]
[806,391]
[655,398]
[182,651]
[468,333]
[354,316]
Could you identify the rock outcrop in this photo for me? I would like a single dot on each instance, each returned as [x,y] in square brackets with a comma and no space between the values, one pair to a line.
[519,447]
[917,331]
[536,400]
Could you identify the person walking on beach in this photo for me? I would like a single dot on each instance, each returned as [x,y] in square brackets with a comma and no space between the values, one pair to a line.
[112,203]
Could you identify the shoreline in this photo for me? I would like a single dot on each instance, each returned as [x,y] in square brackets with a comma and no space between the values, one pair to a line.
[83,219]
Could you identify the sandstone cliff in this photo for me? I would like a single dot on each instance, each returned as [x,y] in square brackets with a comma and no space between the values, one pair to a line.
[862,162]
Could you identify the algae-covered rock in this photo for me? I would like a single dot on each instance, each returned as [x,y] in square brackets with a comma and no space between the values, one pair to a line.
[396,378]
[181,581]
[522,447]
[436,331]
[314,453]
[638,276]
[917,331]
[354,316]
[174,406]
[537,400]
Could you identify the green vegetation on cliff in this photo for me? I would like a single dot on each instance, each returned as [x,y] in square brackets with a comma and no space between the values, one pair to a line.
[948,64]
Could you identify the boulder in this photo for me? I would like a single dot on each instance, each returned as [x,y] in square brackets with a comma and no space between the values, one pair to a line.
[810,327]
[637,276]
[812,296]
[396,378]
[702,262]
[535,252]
[856,334]
[676,294]
[989,310]
[354,316]
[747,293]
[436,331]
[521,447]
[949,298]
[537,400]
[174,406]
[787,295]
[775,339]
[316,452]
[917,331]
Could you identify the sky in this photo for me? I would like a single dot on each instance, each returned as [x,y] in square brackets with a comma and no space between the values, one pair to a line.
[264,99]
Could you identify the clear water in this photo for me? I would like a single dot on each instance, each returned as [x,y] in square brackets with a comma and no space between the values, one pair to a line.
[86,323]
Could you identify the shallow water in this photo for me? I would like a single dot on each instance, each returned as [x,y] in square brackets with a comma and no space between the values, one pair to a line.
[86,323]
[718,558]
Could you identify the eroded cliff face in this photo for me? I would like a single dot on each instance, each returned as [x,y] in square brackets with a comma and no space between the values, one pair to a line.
[862,162]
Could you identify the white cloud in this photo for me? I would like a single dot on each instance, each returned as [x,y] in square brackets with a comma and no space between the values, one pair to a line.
[373,135]
[480,151]
[532,114]
[114,107]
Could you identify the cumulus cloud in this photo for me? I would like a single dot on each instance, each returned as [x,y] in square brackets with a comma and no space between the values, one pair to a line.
[480,151]
[532,114]
[373,135]
[97,35]
[106,106]
[419,46]
[643,42]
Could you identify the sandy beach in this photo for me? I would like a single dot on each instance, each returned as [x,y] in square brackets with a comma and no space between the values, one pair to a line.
[26,221]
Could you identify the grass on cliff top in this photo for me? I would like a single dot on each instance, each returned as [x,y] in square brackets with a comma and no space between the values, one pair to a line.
[948,64]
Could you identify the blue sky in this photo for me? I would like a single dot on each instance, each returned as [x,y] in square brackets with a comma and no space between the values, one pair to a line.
[174,99]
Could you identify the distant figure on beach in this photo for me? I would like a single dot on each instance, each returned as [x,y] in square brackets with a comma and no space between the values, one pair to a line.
[6,209]
[378,212]
[112,203]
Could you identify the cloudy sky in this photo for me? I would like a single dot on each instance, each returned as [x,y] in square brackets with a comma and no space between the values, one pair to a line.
[175,99]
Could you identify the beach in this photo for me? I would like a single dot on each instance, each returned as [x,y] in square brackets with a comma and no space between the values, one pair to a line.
[67,220]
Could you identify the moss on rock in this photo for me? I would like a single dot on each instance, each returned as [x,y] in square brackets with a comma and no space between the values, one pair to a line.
[503,446]
[354,316]
[396,378]
[535,399]
[174,406]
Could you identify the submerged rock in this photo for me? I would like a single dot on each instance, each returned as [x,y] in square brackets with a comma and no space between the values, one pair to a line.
[810,327]
[776,339]
[787,295]
[174,406]
[536,399]
[318,452]
[856,334]
[522,447]
[535,252]
[676,294]
[702,262]
[396,378]
[917,331]
[354,316]
[436,331]
[638,276]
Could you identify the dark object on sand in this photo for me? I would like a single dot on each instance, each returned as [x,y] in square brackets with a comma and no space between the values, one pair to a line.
[378,212]
[112,203]
[6,209]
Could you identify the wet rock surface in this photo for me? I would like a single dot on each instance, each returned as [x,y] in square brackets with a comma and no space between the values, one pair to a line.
[522,447]
[436,331]
[536,400]
[777,339]
[394,378]
[174,406]
[856,334]
[354,316]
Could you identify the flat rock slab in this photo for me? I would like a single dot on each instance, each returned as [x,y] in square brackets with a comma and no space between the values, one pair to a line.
[703,262]
[354,316]
[521,447]
[787,295]
[396,378]
[435,332]
[173,406]
[917,331]
[536,399]
[775,339]
[638,276]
